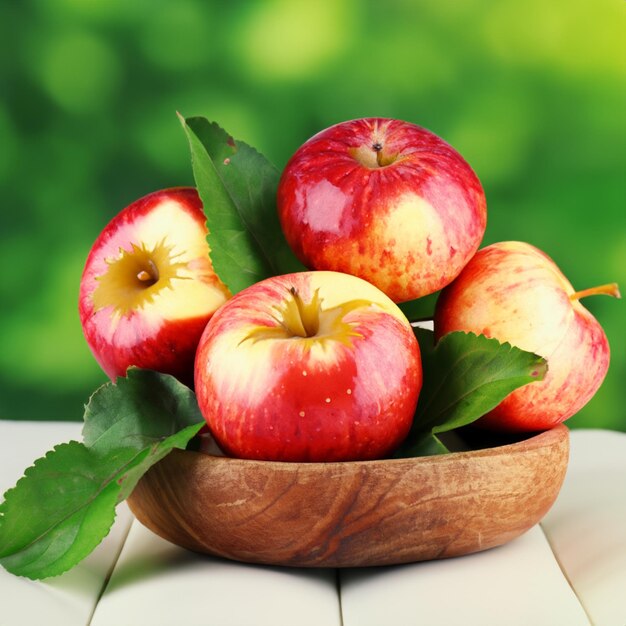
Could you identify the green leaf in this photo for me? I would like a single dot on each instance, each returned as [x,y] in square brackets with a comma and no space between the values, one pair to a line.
[149,456]
[65,504]
[138,410]
[428,445]
[421,309]
[60,510]
[465,376]
[238,186]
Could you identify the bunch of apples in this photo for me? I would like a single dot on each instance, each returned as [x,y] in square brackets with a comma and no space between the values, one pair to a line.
[322,365]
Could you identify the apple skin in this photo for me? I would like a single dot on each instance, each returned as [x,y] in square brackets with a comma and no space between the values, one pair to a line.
[148,287]
[514,292]
[384,200]
[346,390]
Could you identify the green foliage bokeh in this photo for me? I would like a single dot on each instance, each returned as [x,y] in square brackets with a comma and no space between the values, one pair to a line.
[531,93]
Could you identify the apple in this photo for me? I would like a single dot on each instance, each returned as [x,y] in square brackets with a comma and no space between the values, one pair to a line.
[514,292]
[384,200]
[311,366]
[148,287]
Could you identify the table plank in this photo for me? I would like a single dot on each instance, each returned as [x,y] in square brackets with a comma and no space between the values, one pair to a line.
[158,584]
[23,442]
[517,584]
[587,525]
[67,600]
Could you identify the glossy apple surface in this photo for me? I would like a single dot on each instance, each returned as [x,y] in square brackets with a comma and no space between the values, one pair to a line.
[514,292]
[314,366]
[148,287]
[384,200]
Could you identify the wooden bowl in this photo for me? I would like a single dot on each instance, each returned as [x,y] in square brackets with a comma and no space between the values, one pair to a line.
[355,513]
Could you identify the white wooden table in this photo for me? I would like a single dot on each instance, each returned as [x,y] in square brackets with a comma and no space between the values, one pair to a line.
[570,570]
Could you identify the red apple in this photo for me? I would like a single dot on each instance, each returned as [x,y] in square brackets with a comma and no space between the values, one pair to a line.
[514,292]
[313,366]
[384,200]
[148,287]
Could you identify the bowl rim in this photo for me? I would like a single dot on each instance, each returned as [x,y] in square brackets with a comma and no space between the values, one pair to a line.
[533,441]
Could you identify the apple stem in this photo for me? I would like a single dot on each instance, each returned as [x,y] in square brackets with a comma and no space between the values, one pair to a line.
[150,275]
[378,149]
[610,289]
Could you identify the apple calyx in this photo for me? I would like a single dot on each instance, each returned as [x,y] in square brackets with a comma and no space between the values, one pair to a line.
[135,277]
[610,289]
[310,321]
[373,156]
[299,318]
[376,154]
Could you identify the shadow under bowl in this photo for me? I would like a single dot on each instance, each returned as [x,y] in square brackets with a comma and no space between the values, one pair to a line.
[353,514]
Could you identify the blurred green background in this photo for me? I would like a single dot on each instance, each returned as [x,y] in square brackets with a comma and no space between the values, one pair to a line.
[531,93]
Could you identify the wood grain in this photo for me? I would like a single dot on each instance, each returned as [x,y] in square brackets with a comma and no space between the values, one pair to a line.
[357,513]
